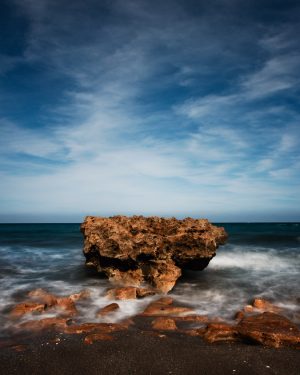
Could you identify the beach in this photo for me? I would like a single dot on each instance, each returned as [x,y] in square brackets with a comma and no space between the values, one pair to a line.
[140,353]
[260,261]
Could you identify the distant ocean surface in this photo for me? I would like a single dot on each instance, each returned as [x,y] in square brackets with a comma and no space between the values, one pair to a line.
[259,260]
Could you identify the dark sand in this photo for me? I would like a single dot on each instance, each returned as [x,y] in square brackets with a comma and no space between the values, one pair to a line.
[138,352]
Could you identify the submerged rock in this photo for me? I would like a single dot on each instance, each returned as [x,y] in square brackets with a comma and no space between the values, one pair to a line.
[131,250]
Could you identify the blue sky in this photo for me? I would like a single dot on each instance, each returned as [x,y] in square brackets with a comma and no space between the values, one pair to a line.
[184,108]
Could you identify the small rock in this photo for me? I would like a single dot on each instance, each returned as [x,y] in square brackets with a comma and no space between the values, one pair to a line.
[144,292]
[164,307]
[43,296]
[67,305]
[90,339]
[84,294]
[220,332]
[37,325]
[164,324]
[108,309]
[97,327]
[195,319]
[248,309]
[27,307]
[194,332]
[264,305]
[239,315]
[122,293]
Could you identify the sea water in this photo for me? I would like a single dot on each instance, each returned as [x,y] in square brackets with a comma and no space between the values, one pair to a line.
[259,260]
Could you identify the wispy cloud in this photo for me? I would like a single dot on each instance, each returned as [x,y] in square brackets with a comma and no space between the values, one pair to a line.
[163,112]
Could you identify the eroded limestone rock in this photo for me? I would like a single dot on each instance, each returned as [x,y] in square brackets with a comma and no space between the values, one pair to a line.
[269,329]
[131,250]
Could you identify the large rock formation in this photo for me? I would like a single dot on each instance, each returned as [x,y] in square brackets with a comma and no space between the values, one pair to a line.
[130,250]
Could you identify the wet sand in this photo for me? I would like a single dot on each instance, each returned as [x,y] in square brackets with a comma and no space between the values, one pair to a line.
[140,352]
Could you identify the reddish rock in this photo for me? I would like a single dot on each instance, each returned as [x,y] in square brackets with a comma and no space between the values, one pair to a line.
[43,296]
[66,305]
[129,292]
[126,278]
[269,329]
[164,324]
[194,332]
[248,309]
[26,308]
[195,319]
[131,250]
[122,293]
[97,327]
[239,315]
[90,339]
[165,301]
[84,294]
[47,323]
[144,292]
[264,305]
[163,275]
[108,309]
[217,332]
[165,307]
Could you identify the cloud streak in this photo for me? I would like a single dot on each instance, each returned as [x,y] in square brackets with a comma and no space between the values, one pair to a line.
[159,112]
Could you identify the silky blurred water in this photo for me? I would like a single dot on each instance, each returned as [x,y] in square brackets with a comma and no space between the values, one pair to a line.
[259,260]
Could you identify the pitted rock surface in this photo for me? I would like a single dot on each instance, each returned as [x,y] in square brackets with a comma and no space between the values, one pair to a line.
[133,250]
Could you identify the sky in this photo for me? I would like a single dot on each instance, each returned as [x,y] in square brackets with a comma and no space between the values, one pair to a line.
[173,108]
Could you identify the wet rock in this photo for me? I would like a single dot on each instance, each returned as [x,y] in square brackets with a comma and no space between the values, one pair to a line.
[108,309]
[66,305]
[26,308]
[165,307]
[164,324]
[47,323]
[248,309]
[194,332]
[269,329]
[144,292]
[90,339]
[43,296]
[239,315]
[129,292]
[195,319]
[218,332]
[264,305]
[131,250]
[84,294]
[97,327]
[122,293]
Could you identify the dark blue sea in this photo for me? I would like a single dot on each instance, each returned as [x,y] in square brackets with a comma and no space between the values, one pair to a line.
[259,260]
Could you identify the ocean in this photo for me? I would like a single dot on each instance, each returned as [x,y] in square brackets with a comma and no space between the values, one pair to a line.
[259,260]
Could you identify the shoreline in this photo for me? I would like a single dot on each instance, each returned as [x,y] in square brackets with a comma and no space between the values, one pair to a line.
[133,352]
